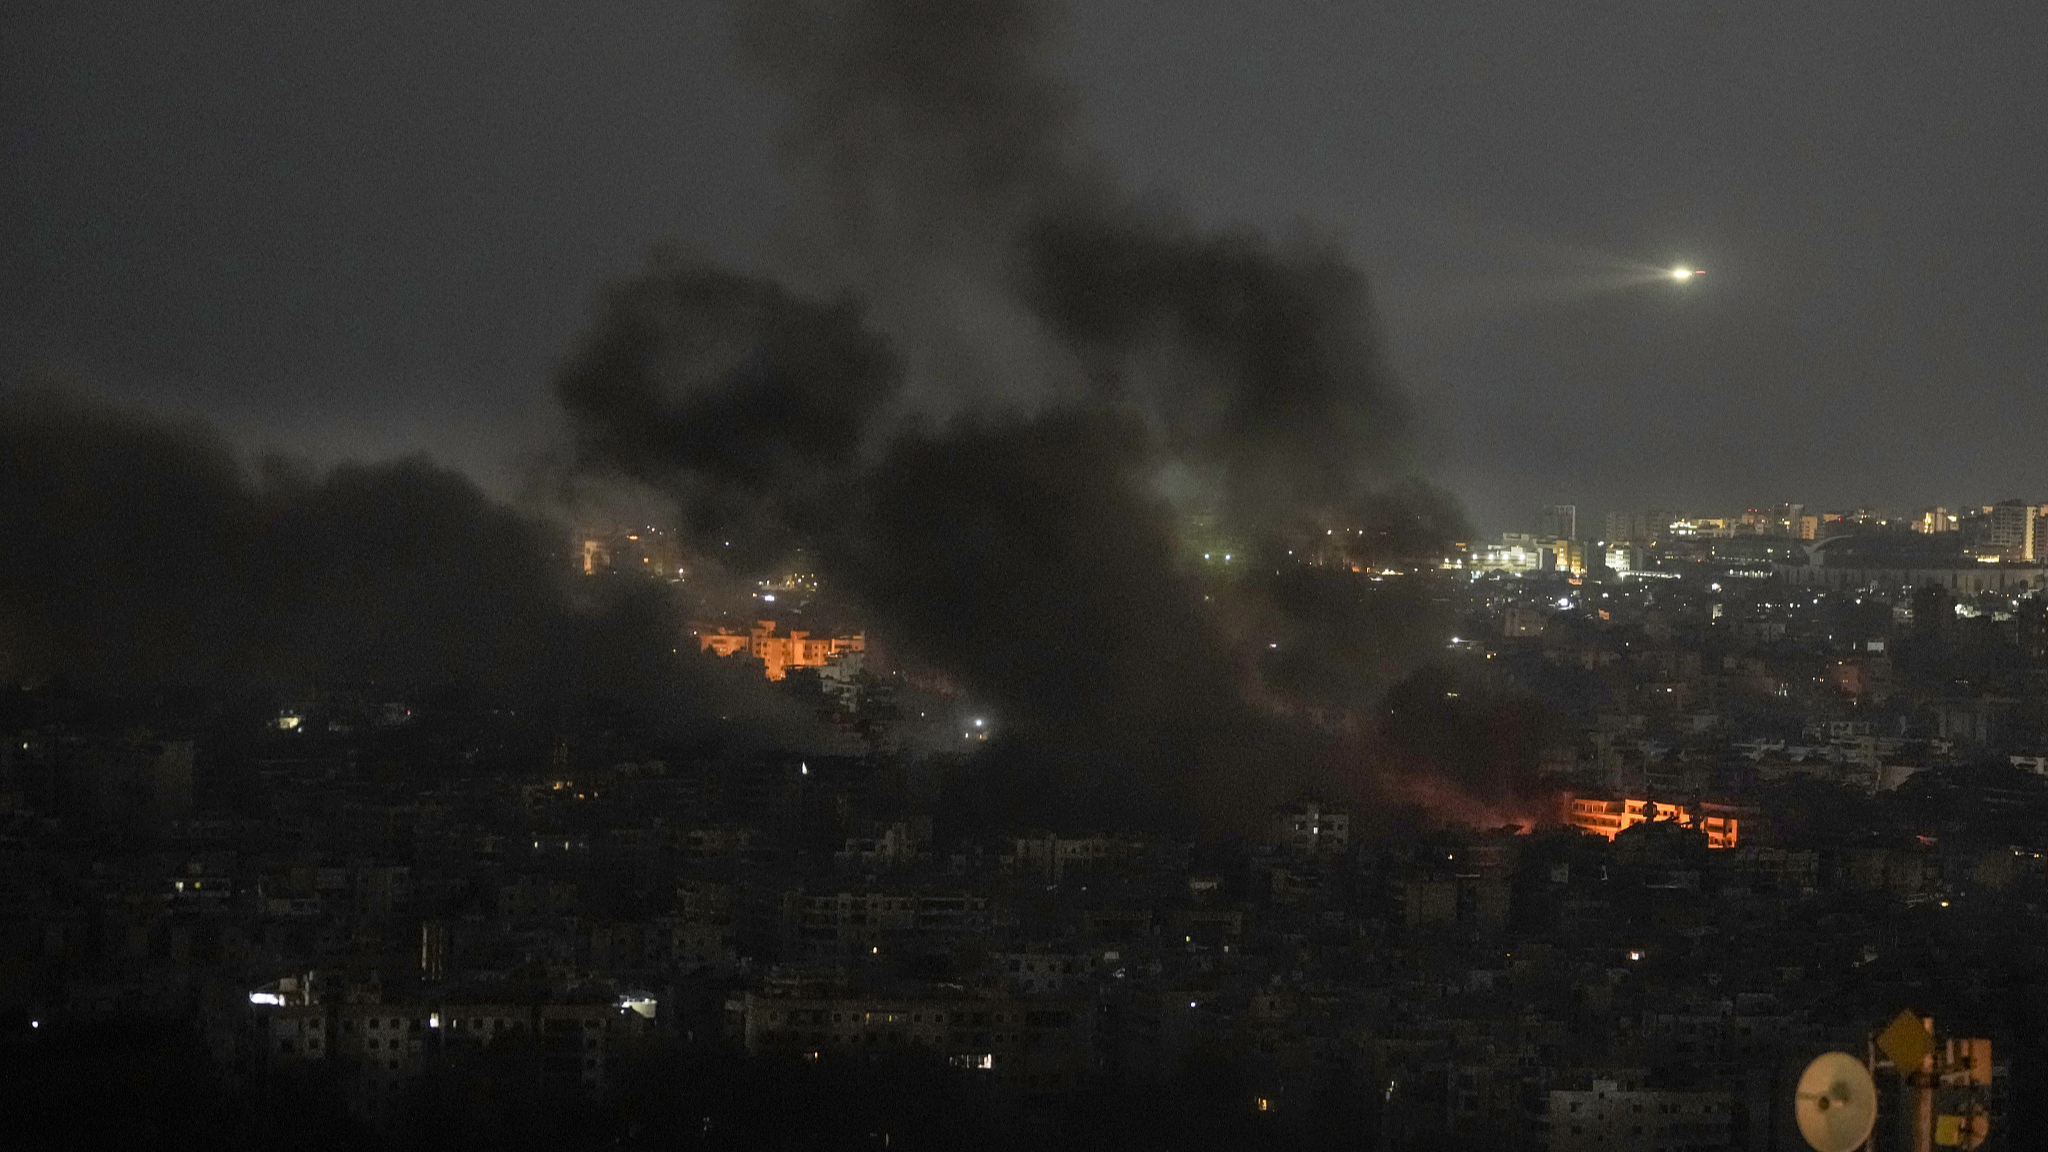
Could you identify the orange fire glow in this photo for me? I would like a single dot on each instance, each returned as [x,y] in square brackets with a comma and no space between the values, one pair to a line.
[781,653]
[1610,817]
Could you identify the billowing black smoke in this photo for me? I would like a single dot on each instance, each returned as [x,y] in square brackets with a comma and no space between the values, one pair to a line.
[1259,365]
[141,556]
[1074,377]
[749,403]
[967,207]
[926,128]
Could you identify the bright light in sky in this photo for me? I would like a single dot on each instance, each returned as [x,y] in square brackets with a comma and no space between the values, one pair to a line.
[1687,273]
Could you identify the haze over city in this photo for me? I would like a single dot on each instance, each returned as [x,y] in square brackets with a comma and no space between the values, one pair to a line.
[928,573]
[372,231]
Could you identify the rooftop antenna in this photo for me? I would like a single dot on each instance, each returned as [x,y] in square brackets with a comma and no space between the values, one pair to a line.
[1836,1103]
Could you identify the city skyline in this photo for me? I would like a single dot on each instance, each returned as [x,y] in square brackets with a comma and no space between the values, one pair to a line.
[1023,575]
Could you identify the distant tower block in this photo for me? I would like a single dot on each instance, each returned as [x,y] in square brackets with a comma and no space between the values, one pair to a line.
[171,780]
[434,950]
[1558,522]
[2012,530]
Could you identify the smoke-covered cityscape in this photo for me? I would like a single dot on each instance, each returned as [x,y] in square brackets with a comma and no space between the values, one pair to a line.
[1007,656]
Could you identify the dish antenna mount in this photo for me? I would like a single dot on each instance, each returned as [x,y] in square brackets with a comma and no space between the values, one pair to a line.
[1836,1104]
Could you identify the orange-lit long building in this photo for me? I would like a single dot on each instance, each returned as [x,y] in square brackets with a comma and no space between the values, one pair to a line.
[1609,817]
[781,653]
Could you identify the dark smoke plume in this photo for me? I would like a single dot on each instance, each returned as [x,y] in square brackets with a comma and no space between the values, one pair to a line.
[1076,376]
[1259,365]
[141,555]
[926,126]
[1029,556]
[948,153]
[748,403]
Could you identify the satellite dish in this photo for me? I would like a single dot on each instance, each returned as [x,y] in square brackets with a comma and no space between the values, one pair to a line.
[1836,1103]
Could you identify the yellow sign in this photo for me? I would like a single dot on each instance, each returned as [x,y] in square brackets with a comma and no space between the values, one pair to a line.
[1906,1041]
[1948,1131]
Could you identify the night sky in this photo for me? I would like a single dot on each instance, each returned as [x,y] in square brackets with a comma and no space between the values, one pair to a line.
[372,228]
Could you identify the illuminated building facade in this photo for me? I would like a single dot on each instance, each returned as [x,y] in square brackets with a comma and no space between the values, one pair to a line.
[1610,817]
[2012,530]
[1514,553]
[781,653]
[1566,556]
[648,551]
[1934,520]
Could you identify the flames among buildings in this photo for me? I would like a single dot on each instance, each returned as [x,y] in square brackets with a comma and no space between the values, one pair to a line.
[1610,818]
[646,551]
[790,650]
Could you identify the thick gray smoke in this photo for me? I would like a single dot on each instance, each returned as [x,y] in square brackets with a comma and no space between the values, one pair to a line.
[1075,375]
[141,555]
[929,131]
[749,403]
[1259,366]
[945,151]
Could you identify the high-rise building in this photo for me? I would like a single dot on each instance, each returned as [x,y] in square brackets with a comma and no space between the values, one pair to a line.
[170,777]
[1558,522]
[2012,530]
[1562,555]
[1933,520]
[1644,527]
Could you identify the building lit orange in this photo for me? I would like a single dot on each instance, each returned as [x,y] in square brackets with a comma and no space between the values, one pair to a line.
[781,653]
[1609,817]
